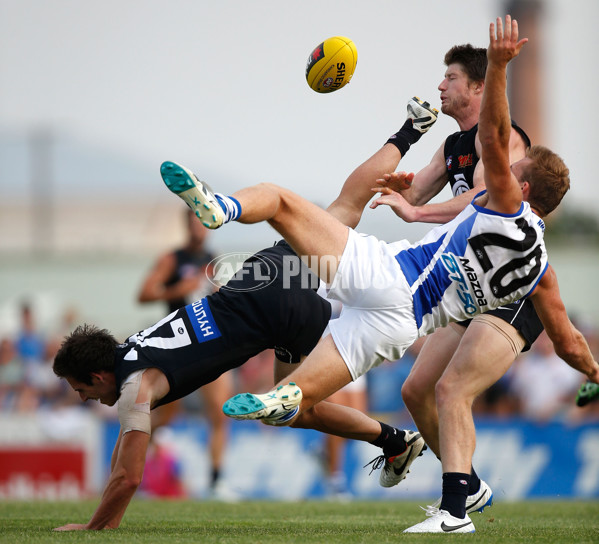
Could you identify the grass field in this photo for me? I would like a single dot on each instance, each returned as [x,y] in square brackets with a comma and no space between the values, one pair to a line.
[151,522]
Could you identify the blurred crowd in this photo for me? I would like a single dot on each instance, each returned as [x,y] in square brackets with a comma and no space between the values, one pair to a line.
[27,382]
[539,386]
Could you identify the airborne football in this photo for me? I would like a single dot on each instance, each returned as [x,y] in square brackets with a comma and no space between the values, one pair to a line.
[331,64]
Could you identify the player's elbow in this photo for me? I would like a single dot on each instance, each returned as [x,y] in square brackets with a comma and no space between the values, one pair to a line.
[129,481]
[133,482]
[567,351]
[569,347]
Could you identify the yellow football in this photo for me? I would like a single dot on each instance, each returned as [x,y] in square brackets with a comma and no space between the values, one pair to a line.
[331,65]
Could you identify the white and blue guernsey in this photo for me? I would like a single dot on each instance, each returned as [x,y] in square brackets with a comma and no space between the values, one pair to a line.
[476,262]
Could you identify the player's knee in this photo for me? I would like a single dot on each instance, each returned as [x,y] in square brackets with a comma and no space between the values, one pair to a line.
[268,187]
[415,392]
[444,393]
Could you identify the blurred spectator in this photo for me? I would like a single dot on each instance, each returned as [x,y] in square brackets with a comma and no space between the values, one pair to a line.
[12,376]
[178,278]
[544,384]
[50,390]
[354,395]
[162,474]
[498,401]
[257,373]
[29,342]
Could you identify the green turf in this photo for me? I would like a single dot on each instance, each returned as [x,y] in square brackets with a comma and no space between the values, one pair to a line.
[150,522]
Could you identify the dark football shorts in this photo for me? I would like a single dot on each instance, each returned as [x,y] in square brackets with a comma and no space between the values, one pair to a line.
[522,316]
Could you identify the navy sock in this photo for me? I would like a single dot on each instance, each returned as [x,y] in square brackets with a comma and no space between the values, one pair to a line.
[389,437]
[474,486]
[455,493]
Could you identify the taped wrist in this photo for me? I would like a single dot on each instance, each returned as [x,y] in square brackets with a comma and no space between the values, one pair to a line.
[406,136]
[133,416]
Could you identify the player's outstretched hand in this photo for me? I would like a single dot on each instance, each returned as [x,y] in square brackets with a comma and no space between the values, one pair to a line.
[396,181]
[400,206]
[503,43]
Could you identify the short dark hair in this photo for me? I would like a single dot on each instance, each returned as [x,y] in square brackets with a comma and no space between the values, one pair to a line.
[548,177]
[472,59]
[86,350]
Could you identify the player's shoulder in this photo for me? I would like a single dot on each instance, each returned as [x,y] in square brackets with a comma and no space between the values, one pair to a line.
[519,131]
[461,136]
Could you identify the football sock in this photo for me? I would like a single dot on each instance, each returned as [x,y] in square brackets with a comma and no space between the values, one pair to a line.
[214,476]
[390,438]
[406,136]
[455,493]
[230,206]
[474,486]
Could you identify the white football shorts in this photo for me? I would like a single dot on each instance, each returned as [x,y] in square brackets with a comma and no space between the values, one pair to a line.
[377,321]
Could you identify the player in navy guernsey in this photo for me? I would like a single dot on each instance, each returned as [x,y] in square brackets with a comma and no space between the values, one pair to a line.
[505,331]
[275,305]
[489,255]
[193,346]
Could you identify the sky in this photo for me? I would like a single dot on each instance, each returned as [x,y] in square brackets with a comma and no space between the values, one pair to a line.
[219,86]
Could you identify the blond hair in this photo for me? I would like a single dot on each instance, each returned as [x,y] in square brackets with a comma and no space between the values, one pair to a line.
[548,177]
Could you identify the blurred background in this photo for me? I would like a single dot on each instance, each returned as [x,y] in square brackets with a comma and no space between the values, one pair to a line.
[95,95]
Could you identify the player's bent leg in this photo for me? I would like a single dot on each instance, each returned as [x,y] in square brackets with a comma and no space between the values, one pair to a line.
[399,451]
[309,229]
[343,421]
[467,376]
[396,462]
[418,390]
[321,374]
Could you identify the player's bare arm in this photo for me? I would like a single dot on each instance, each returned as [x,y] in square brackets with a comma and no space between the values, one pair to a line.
[494,127]
[115,450]
[124,480]
[568,341]
[154,287]
[428,213]
[517,152]
[427,183]
[129,455]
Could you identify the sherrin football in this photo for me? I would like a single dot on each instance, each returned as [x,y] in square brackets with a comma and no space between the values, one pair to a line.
[331,65]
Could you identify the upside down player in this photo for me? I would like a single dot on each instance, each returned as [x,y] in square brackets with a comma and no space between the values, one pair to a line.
[192,347]
[491,254]
[195,344]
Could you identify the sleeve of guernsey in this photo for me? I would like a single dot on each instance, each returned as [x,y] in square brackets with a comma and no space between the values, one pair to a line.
[133,416]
